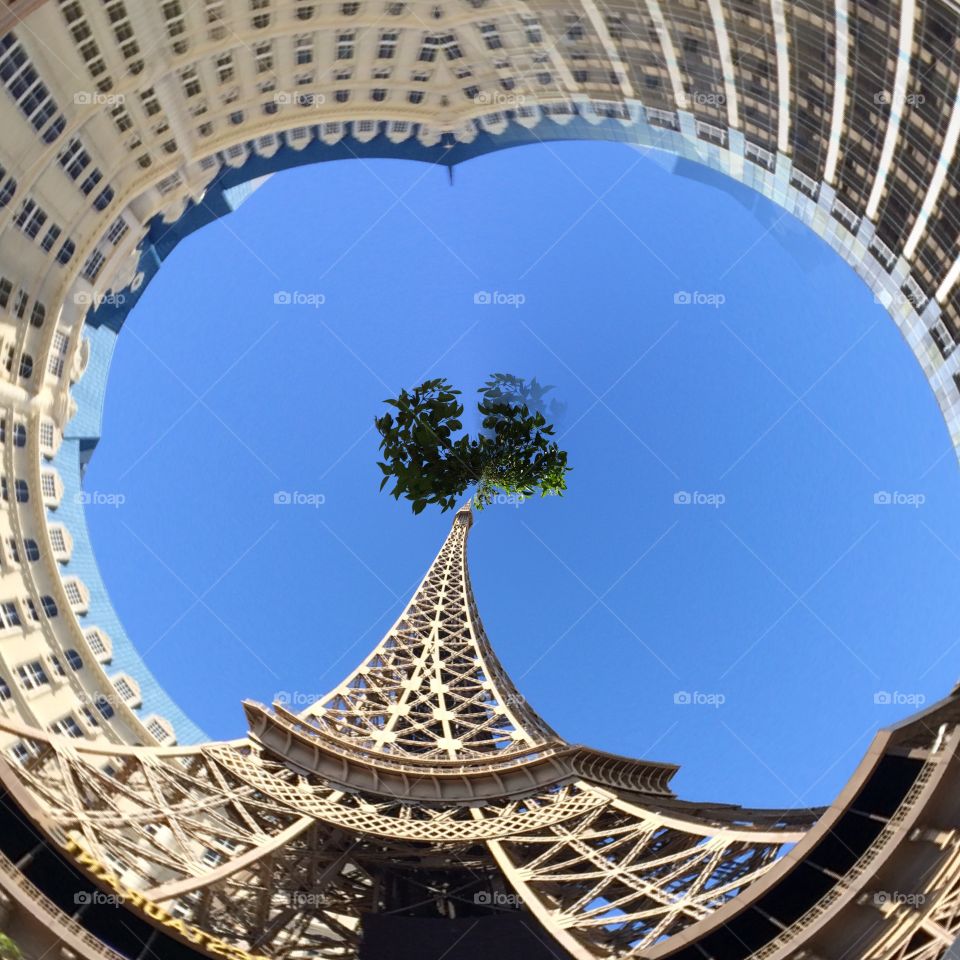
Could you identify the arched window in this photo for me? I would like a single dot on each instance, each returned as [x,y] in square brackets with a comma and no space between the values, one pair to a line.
[31,549]
[74,659]
[23,491]
[49,606]
[19,435]
[5,692]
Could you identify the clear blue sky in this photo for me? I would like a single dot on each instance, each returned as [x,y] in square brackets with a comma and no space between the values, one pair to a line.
[796,600]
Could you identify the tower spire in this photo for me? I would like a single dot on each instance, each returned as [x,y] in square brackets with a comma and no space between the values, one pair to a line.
[433,689]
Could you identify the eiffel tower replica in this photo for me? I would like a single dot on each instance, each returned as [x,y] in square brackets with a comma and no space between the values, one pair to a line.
[422,809]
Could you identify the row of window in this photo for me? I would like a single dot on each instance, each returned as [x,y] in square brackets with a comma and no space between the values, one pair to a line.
[31,218]
[33,674]
[77,164]
[50,487]
[20,434]
[67,726]
[37,314]
[29,92]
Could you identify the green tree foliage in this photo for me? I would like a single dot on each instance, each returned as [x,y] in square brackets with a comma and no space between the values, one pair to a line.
[432,461]
[8,949]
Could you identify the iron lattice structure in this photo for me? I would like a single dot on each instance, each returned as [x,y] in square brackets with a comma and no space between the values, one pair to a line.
[426,763]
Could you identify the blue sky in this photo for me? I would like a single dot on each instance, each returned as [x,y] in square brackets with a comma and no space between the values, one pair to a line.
[782,598]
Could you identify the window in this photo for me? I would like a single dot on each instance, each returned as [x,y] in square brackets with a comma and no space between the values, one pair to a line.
[22,491]
[118,230]
[46,435]
[157,730]
[574,27]
[103,705]
[105,196]
[10,614]
[263,57]
[74,594]
[31,609]
[49,606]
[378,94]
[490,36]
[73,158]
[345,46]
[191,82]
[66,252]
[57,540]
[7,187]
[31,549]
[92,267]
[50,238]
[29,92]
[57,666]
[150,102]
[90,717]
[6,288]
[96,643]
[124,689]
[74,659]
[38,314]
[5,692]
[21,752]
[90,181]
[415,96]
[32,675]
[225,68]
[67,726]
[30,218]
[303,49]
[388,44]
[451,48]
[12,549]
[19,435]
